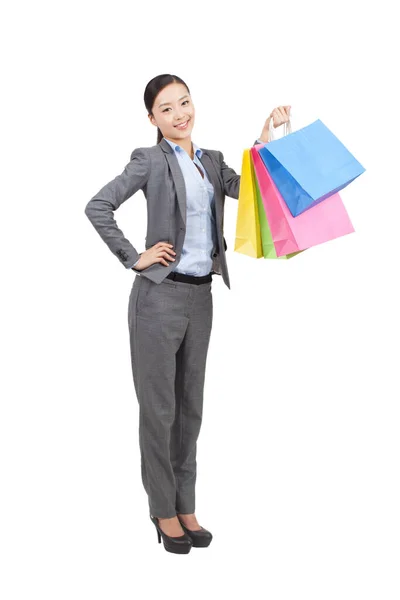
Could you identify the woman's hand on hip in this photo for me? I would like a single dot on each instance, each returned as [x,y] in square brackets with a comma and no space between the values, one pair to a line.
[156,254]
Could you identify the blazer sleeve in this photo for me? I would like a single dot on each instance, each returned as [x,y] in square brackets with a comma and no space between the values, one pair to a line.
[100,209]
[230,178]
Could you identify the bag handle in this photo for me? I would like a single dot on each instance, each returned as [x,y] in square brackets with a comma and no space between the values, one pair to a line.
[287,128]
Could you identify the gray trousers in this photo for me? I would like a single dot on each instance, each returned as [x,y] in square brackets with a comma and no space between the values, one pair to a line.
[169,328]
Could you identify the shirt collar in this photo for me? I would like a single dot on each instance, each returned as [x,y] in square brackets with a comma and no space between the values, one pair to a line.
[177,148]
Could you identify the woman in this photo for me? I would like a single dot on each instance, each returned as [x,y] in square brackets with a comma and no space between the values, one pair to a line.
[170,305]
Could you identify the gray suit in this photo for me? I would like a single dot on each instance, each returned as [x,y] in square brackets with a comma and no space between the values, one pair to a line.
[169,321]
[156,171]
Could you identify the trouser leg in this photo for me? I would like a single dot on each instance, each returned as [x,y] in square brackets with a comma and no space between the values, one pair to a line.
[189,385]
[157,324]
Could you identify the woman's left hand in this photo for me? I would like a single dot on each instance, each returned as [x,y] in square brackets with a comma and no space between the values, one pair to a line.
[279,115]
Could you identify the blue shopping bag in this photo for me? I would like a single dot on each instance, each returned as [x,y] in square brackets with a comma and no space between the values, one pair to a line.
[309,165]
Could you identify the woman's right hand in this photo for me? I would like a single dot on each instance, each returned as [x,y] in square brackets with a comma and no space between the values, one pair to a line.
[157,253]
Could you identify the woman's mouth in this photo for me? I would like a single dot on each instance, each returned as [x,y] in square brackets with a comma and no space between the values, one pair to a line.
[183,125]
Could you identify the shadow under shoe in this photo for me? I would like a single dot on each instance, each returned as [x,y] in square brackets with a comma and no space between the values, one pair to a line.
[181,544]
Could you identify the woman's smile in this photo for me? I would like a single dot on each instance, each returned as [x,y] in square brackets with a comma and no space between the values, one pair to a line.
[182,125]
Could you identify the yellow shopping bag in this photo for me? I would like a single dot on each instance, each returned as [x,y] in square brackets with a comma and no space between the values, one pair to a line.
[248,233]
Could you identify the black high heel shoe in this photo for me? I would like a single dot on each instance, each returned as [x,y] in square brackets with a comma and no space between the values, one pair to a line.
[181,544]
[201,538]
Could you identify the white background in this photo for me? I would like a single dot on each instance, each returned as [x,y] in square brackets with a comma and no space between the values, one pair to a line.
[298,456]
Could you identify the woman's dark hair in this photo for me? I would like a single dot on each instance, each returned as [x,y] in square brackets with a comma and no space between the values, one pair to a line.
[155,86]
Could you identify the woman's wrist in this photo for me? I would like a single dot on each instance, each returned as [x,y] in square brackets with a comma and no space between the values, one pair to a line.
[264,138]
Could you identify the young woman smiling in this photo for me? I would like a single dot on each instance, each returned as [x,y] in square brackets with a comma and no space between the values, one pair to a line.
[170,305]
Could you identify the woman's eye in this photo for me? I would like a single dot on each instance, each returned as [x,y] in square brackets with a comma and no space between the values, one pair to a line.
[165,109]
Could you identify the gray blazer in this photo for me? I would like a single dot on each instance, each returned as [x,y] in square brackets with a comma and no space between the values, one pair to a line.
[156,171]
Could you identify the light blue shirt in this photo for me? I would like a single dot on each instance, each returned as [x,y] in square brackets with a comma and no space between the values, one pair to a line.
[201,235]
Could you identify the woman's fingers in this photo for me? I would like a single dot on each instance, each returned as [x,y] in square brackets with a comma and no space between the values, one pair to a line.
[285,112]
[162,254]
[276,117]
[280,115]
[167,252]
[165,247]
[162,260]
[166,255]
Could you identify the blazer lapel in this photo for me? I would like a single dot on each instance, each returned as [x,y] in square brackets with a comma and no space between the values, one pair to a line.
[179,181]
[214,177]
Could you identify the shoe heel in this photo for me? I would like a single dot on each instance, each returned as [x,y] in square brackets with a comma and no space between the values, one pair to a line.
[159,536]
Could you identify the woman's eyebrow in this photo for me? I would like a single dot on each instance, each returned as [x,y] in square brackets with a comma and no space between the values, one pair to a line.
[160,105]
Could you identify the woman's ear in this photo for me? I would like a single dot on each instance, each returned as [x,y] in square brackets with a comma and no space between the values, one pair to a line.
[152,120]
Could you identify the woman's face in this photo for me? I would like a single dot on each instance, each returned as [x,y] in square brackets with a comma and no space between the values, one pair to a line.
[173,106]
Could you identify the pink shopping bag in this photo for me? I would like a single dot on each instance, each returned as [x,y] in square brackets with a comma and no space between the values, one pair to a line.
[323,222]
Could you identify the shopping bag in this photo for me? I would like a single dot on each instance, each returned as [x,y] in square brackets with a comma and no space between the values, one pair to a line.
[309,165]
[323,222]
[248,234]
[267,242]
[253,235]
